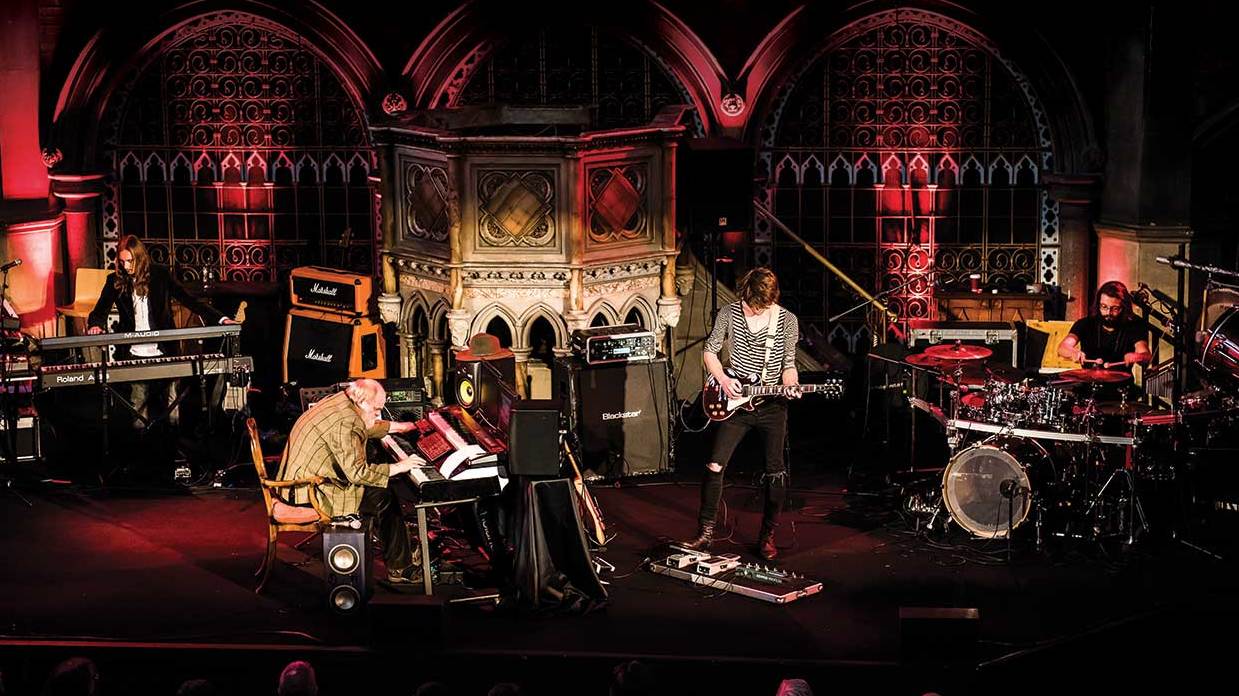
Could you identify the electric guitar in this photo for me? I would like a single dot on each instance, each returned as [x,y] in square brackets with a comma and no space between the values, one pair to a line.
[591,516]
[719,407]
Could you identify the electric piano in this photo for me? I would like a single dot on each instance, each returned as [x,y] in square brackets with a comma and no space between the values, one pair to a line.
[462,455]
[142,369]
[230,331]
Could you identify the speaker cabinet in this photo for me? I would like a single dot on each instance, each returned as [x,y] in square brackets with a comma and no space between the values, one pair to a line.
[715,185]
[533,438]
[26,438]
[347,557]
[474,384]
[621,414]
[321,348]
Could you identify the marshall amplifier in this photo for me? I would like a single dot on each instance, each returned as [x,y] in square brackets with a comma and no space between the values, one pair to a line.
[313,287]
[322,348]
[620,413]
[609,344]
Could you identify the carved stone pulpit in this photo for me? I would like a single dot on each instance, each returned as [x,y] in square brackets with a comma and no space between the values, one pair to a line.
[480,225]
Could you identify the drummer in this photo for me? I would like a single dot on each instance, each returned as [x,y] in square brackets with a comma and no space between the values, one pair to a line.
[1111,337]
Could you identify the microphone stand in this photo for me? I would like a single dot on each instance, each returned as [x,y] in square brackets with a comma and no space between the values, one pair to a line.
[8,410]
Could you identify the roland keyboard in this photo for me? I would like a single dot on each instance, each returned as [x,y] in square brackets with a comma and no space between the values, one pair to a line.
[142,369]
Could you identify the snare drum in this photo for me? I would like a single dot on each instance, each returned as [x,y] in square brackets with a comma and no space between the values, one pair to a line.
[1050,407]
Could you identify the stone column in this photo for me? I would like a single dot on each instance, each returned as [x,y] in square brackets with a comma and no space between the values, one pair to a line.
[522,371]
[438,368]
[1076,195]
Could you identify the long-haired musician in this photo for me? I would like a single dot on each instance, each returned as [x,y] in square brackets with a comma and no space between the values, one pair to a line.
[142,293]
[761,337]
[1111,337]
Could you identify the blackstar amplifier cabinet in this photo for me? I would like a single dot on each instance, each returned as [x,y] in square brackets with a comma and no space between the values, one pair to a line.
[621,414]
[314,287]
[321,348]
[609,344]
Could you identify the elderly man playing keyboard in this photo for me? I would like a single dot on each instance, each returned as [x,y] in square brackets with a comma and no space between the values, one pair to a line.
[329,440]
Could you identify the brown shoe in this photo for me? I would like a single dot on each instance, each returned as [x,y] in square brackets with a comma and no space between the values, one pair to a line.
[705,537]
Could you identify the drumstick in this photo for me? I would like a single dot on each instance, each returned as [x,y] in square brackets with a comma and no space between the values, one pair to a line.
[1113,364]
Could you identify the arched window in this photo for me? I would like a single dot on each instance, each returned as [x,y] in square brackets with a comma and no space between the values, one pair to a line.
[578,66]
[944,141]
[279,154]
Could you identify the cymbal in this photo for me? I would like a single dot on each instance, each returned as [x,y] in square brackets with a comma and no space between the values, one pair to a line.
[959,351]
[977,373]
[1094,375]
[924,360]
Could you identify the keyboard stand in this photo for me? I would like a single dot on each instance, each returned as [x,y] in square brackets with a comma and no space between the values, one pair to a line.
[423,538]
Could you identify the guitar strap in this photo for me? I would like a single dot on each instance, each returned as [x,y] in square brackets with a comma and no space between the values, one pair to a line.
[772,335]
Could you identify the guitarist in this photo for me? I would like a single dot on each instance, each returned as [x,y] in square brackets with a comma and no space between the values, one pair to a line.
[761,338]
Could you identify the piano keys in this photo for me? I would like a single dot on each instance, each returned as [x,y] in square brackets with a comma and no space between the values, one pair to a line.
[230,331]
[142,369]
[433,486]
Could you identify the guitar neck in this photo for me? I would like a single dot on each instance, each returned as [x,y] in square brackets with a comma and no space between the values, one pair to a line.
[778,389]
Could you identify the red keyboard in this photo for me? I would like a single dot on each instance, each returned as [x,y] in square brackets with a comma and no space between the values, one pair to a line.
[432,446]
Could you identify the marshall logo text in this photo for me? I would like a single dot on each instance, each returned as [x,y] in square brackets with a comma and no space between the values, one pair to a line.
[319,289]
[319,357]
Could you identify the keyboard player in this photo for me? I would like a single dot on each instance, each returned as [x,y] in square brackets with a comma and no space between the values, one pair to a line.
[142,293]
[329,440]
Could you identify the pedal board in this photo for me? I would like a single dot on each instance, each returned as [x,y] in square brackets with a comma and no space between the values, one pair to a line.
[724,572]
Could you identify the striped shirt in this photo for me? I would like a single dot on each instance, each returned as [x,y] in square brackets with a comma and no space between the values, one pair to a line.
[747,352]
[329,440]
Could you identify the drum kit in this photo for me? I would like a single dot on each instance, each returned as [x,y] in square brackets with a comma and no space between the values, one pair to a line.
[1057,451]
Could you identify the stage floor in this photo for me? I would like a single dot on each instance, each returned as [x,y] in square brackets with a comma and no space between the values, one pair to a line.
[175,566]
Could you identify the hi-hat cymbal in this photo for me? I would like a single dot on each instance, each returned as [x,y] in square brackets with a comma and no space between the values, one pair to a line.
[977,373]
[1094,375]
[959,351]
[1124,409]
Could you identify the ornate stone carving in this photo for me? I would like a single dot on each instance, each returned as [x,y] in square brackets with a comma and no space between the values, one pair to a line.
[516,208]
[458,321]
[618,203]
[394,103]
[669,311]
[389,307]
[425,203]
[619,286]
[623,270]
[517,277]
[501,293]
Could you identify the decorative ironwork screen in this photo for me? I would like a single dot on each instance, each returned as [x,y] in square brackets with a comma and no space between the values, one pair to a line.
[911,154]
[238,152]
[578,66]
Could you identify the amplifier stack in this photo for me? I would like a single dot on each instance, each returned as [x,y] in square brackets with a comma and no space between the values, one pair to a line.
[332,332]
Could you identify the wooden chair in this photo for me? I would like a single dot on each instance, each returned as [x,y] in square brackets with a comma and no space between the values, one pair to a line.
[282,517]
[87,286]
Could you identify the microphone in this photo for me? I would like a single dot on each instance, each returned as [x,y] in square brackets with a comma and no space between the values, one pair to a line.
[1009,488]
[1158,295]
[1174,261]
[11,265]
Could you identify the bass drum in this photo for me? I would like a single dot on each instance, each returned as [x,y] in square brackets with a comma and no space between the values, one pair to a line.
[989,487]
[1219,353]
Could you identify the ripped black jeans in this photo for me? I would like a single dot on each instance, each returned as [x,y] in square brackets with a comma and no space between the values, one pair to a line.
[770,419]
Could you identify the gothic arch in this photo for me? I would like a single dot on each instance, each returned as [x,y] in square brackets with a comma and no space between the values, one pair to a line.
[643,308]
[415,302]
[812,30]
[461,42]
[493,311]
[438,321]
[116,54]
[604,308]
[543,311]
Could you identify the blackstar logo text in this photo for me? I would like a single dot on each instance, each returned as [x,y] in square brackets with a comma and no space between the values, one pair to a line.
[320,357]
[621,414]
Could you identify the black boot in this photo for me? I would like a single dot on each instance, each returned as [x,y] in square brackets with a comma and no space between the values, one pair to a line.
[705,537]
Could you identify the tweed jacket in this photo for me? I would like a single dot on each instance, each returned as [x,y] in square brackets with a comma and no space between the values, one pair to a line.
[329,440]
